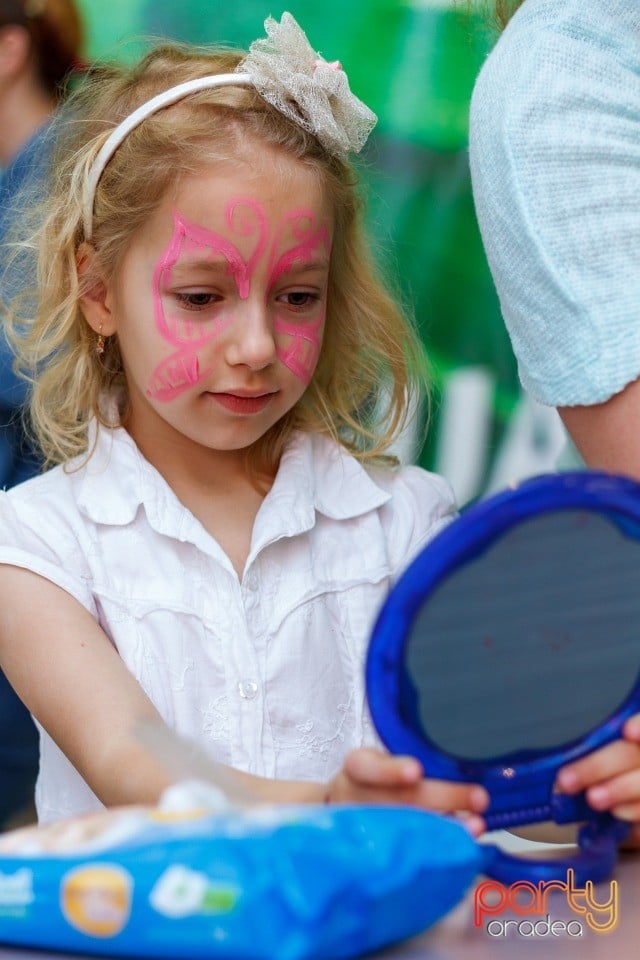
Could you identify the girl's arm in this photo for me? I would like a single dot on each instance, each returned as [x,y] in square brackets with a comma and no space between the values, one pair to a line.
[71,678]
[73,681]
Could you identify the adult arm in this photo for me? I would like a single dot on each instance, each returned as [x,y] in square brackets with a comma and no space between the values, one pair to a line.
[555,159]
[607,435]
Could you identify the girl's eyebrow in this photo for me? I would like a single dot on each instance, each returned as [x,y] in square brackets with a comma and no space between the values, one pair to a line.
[218,264]
[304,266]
[213,263]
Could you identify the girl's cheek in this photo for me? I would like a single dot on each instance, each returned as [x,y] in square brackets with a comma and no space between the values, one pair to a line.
[187,366]
[299,345]
[174,375]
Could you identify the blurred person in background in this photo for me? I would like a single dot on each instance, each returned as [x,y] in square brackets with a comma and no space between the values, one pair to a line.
[40,48]
[555,161]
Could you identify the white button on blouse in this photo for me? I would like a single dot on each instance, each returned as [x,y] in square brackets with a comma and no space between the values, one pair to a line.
[248,689]
[266,674]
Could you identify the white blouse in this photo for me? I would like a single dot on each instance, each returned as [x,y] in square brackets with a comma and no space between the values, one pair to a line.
[265,673]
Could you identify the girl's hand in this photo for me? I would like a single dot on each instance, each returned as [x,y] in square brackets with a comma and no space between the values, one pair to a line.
[611,778]
[372,776]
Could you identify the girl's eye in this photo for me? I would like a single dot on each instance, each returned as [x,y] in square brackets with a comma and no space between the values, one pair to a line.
[198,300]
[299,299]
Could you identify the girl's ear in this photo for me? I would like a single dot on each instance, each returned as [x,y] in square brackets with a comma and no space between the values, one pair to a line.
[94,301]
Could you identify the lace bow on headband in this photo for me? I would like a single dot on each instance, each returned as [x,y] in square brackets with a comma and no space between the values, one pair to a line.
[287,73]
[290,75]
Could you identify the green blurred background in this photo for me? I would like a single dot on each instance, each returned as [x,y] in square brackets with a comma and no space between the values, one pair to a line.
[414,63]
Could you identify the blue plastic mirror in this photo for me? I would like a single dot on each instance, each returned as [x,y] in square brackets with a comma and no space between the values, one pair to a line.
[511,646]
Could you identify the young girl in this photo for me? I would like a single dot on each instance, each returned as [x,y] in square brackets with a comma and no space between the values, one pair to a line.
[221,526]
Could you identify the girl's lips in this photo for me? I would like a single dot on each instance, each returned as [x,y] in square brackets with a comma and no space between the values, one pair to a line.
[237,403]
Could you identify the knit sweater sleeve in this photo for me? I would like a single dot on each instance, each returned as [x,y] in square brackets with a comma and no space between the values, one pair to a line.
[555,159]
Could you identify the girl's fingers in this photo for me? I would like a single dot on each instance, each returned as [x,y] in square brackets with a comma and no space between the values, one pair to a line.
[621,790]
[373,768]
[446,797]
[631,729]
[627,811]
[610,761]
[472,822]
[378,777]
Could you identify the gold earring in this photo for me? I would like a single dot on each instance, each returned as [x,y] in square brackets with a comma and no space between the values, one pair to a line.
[100,342]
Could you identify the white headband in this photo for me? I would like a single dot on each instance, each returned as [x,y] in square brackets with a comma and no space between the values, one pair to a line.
[164,99]
[285,71]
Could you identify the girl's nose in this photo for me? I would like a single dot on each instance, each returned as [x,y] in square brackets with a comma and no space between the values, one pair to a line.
[250,339]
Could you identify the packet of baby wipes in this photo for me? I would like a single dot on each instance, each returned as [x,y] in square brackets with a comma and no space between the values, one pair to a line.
[194,877]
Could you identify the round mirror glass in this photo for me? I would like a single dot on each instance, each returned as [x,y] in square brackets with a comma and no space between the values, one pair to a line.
[532,643]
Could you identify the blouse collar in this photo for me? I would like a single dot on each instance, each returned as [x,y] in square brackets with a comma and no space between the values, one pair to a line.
[315,476]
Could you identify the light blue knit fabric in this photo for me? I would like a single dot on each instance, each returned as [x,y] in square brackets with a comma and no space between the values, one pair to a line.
[555,160]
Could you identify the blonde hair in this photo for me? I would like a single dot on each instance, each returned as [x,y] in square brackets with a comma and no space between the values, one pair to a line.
[504,10]
[371,359]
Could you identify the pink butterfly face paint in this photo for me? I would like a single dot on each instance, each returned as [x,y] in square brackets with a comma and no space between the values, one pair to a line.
[301,347]
[277,256]
[187,334]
